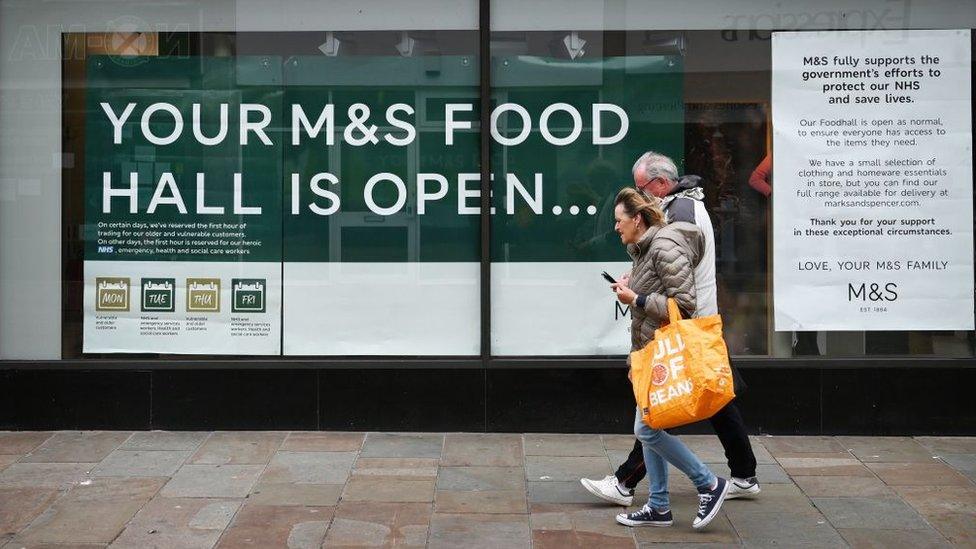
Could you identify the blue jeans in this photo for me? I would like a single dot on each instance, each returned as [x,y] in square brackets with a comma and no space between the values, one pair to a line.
[660,448]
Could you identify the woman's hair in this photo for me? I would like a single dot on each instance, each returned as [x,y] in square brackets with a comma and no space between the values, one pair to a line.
[635,204]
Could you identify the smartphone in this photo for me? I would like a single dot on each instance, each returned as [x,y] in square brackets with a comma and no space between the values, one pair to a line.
[608,277]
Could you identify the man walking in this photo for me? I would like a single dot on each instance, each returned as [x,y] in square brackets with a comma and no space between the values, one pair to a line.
[681,199]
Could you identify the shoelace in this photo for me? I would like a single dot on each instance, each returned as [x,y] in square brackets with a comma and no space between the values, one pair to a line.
[645,512]
[703,501]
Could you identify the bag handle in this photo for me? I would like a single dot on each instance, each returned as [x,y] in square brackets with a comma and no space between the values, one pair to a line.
[674,313]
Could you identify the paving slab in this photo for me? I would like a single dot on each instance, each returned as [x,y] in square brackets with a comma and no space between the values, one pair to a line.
[379,524]
[562,445]
[618,442]
[141,463]
[7,459]
[77,447]
[684,509]
[311,495]
[958,528]
[708,452]
[489,450]
[295,527]
[708,448]
[565,468]
[777,445]
[94,513]
[940,499]
[875,513]
[20,506]
[178,523]
[949,509]
[760,451]
[403,445]
[18,544]
[767,473]
[691,545]
[964,463]
[823,464]
[774,498]
[478,531]
[887,449]
[238,448]
[309,467]
[617,457]
[480,478]
[840,486]
[212,481]
[949,445]
[932,473]
[867,538]
[165,440]
[482,502]
[21,442]
[389,490]
[397,468]
[45,475]
[783,528]
[305,441]
[560,492]
[555,526]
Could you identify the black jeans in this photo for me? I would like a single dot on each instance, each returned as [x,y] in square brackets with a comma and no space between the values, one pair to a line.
[731,432]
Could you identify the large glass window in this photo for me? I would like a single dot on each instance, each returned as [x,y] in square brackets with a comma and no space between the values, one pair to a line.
[711,84]
[307,182]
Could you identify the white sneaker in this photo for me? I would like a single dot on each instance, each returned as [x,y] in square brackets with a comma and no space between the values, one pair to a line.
[608,489]
[743,487]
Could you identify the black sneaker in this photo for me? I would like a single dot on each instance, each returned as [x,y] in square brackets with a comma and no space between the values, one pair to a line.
[645,516]
[709,502]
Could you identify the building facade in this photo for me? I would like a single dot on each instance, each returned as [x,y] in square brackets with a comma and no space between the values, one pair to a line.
[394,215]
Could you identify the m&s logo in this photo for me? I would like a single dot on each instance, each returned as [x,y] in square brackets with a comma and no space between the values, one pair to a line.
[872,291]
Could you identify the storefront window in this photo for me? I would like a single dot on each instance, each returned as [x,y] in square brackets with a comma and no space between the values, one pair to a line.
[307,182]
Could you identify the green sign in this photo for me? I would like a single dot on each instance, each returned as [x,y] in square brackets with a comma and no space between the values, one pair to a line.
[365,159]
[289,199]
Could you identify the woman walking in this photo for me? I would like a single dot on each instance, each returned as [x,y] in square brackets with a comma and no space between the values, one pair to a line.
[664,258]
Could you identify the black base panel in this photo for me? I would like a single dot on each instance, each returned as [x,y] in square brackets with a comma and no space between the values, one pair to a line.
[781,400]
[234,399]
[402,400]
[50,399]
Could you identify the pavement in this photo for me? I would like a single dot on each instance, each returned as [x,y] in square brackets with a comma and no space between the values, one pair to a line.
[331,489]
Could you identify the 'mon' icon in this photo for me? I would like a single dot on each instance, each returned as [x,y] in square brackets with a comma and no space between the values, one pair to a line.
[203,295]
[111,293]
[248,295]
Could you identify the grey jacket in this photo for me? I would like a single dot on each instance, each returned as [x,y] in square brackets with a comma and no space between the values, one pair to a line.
[664,266]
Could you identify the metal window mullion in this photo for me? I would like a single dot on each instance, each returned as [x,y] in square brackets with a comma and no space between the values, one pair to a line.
[484,96]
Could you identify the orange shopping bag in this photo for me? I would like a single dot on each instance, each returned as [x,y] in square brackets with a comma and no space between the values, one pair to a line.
[683,375]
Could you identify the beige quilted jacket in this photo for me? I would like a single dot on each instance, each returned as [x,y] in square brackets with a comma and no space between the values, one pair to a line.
[664,266]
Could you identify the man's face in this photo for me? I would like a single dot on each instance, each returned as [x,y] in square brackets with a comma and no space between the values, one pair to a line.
[656,186]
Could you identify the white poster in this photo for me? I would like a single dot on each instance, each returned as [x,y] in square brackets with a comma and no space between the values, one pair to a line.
[558,309]
[872,177]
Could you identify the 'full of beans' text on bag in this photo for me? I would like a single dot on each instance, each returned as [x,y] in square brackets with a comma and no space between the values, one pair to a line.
[683,375]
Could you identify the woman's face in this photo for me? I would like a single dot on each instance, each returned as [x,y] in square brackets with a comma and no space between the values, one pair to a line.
[629,228]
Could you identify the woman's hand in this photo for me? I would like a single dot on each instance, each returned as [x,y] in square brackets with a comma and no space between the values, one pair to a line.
[625,279]
[624,294]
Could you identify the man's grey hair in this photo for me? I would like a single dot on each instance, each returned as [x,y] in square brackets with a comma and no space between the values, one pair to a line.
[654,164]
